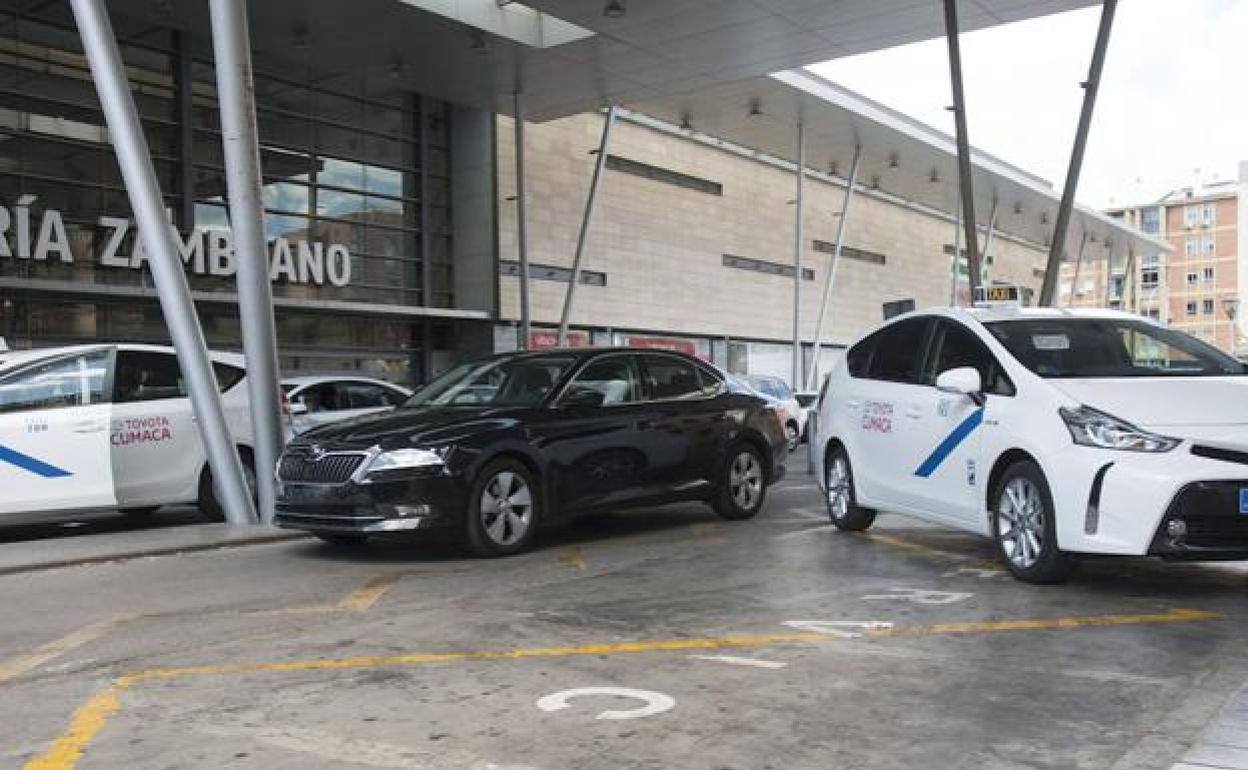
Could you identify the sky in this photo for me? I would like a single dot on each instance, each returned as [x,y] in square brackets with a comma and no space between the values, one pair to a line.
[1172,107]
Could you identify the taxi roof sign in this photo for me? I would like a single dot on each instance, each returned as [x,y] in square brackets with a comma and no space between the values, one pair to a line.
[997,296]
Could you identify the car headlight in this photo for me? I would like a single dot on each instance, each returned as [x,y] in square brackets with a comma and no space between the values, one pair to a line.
[405,459]
[1089,427]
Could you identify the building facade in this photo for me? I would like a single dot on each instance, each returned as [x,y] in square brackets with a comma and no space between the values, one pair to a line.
[1200,286]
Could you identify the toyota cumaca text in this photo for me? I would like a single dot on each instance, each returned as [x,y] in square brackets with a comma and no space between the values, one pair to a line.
[1057,433]
[495,447]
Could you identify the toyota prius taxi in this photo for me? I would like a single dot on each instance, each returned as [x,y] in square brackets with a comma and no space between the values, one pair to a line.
[1054,432]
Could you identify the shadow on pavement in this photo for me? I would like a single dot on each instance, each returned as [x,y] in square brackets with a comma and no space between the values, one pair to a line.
[98,522]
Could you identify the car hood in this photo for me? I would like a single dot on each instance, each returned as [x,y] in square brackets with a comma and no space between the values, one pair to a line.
[416,426]
[1194,407]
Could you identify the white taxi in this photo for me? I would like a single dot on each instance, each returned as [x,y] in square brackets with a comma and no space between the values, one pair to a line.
[1054,432]
[108,426]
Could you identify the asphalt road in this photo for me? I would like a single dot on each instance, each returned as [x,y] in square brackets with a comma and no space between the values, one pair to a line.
[774,643]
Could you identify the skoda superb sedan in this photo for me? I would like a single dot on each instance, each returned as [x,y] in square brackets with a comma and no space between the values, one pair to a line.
[1056,433]
[495,447]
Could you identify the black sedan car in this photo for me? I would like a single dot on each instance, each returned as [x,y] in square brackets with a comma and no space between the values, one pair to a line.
[495,447]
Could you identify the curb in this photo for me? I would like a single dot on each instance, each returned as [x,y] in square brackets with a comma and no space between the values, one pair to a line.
[166,550]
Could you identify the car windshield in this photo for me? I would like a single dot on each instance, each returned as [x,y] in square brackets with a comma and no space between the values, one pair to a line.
[517,381]
[1110,347]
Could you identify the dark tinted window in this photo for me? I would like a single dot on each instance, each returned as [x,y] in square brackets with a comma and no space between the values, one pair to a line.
[325,397]
[956,346]
[227,376]
[364,395]
[712,382]
[670,377]
[859,357]
[143,376]
[899,351]
[508,381]
[614,378]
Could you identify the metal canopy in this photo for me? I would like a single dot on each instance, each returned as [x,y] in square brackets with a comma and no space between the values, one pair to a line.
[471,53]
[900,156]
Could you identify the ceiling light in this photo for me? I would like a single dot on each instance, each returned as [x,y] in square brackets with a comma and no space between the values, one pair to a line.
[614,9]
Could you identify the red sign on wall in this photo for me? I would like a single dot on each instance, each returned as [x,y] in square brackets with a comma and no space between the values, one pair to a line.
[549,338]
[664,343]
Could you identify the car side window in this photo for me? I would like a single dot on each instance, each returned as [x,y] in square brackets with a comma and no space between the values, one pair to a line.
[147,376]
[325,397]
[613,377]
[899,350]
[363,395]
[74,381]
[672,378]
[956,346]
[712,383]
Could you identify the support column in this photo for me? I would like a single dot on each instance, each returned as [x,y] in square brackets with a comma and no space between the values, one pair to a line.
[1128,283]
[797,255]
[992,230]
[599,164]
[240,139]
[142,188]
[1109,273]
[1074,285]
[965,182]
[1049,287]
[836,261]
[522,225]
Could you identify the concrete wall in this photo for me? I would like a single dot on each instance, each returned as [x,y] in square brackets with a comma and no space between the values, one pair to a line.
[473,198]
[662,245]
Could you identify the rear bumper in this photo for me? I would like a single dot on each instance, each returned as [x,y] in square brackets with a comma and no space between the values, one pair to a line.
[405,505]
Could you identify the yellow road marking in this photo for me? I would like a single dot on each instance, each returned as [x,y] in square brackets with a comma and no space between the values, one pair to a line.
[54,649]
[89,719]
[86,723]
[572,556]
[368,594]
[708,533]
[928,550]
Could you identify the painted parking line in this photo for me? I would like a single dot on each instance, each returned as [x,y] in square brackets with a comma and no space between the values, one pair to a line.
[927,550]
[572,556]
[364,597]
[90,718]
[22,664]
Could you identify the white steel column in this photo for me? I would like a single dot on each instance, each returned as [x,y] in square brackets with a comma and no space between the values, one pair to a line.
[965,182]
[836,261]
[797,256]
[575,278]
[1109,273]
[1074,284]
[240,139]
[143,190]
[1049,288]
[522,225]
[1128,282]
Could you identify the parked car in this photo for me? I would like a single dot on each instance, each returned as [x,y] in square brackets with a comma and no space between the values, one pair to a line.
[779,391]
[496,446]
[1054,432]
[109,426]
[317,400]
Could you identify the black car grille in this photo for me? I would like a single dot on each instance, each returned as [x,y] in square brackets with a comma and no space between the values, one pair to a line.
[1217,531]
[1210,511]
[299,467]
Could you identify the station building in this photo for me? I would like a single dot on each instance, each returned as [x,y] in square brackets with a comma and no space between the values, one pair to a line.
[389,193]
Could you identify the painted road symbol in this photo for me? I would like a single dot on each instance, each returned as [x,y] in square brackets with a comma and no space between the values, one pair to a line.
[656,702]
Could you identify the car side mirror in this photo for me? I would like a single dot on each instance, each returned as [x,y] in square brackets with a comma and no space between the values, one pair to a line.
[582,398]
[963,381]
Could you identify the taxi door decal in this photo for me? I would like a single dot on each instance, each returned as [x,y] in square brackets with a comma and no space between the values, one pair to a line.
[28,463]
[951,442]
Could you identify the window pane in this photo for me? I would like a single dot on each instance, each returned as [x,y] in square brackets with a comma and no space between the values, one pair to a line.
[612,378]
[898,349]
[147,377]
[672,378]
[76,381]
[959,347]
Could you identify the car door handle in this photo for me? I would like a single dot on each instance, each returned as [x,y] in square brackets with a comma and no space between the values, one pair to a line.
[89,426]
[852,404]
[914,412]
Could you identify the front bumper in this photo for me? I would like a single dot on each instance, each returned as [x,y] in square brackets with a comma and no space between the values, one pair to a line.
[412,503]
[1115,502]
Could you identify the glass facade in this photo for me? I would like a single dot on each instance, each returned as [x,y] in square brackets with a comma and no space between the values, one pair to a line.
[356,195]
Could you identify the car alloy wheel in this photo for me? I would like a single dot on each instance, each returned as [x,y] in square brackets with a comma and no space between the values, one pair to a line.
[1022,529]
[506,508]
[837,484]
[745,481]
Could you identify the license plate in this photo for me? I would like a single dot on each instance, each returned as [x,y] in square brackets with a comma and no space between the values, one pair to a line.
[1243,499]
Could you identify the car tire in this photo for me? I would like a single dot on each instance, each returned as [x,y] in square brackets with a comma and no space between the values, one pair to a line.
[504,506]
[341,538]
[209,505]
[840,497]
[1023,526]
[140,513]
[743,484]
[792,436]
